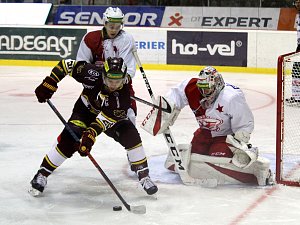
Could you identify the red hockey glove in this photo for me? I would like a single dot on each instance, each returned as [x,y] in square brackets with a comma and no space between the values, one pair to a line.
[46,89]
[88,139]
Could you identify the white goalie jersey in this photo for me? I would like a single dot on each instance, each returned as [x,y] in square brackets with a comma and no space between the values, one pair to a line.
[228,114]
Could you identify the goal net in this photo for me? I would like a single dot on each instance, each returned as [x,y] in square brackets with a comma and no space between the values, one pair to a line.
[288,120]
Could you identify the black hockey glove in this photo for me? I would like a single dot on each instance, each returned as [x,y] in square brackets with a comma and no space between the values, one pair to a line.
[88,139]
[298,48]
[46,89]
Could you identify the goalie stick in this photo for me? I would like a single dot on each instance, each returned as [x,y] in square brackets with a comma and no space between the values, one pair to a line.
[140,209]
[168,109]
[182,170]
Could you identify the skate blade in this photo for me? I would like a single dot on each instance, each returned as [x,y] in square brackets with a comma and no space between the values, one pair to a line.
[34,192]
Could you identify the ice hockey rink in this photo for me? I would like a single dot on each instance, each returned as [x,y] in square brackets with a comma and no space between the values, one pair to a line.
[77,193]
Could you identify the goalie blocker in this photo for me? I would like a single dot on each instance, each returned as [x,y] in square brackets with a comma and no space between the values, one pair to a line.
[157,120]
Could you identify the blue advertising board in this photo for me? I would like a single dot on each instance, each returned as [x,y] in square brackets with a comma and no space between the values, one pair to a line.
[93,15]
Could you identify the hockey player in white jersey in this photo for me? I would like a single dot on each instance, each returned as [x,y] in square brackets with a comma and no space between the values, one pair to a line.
[111,41]
[220,148]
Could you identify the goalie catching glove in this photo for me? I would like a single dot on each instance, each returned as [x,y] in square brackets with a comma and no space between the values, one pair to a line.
[157,121]
[243,152]
[46,89]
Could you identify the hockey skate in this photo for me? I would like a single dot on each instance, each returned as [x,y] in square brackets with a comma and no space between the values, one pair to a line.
[142,172]
[38,184]
[148,185]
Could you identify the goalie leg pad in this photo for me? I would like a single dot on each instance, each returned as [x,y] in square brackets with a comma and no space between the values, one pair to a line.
[185,150]
[261,169]
[222,169]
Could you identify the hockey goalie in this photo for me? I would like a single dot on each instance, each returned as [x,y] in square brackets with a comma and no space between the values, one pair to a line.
[220,147]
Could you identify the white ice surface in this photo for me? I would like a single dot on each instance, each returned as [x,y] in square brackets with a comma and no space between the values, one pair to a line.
[77,194]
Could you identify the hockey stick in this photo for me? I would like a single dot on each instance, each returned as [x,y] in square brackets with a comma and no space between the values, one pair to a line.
[182,170]
[140,209]
[168,109]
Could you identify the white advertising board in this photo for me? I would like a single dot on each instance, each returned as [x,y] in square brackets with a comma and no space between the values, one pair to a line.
[24,13]
[221,17]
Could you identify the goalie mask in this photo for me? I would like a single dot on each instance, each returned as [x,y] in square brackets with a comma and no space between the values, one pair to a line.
[114,73]
[113,19]
[210,83]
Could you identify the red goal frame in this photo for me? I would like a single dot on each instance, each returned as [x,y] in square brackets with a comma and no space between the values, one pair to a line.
[280,120]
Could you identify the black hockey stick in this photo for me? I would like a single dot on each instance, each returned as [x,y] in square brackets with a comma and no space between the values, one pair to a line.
[168,109]
[140,209]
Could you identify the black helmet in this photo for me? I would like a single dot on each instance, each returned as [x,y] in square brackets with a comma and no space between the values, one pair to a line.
[115,68]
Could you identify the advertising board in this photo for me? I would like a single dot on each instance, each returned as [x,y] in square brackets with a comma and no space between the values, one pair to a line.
[229,18]
[39,44]
[207,48]
[93,15]
[24,14]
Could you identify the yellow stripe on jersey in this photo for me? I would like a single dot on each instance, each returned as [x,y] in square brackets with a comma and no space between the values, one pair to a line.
[55,76]
[64,67]
[108,118]
[78,123]
[96,127]
[100,124]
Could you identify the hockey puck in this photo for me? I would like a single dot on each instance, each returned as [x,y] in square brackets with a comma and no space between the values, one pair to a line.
[117,208]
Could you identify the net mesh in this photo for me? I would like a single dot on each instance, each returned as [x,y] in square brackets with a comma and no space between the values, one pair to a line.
[290,114]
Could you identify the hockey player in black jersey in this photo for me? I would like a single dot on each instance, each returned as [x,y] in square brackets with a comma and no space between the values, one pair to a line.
[101,107]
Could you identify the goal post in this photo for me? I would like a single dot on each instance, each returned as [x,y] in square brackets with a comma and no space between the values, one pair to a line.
[288,120]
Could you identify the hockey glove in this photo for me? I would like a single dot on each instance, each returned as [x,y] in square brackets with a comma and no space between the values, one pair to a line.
[298,48]
[88,139]
[46,89]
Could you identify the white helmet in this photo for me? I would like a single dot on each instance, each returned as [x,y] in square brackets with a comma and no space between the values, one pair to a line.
[210,84]
[113,15]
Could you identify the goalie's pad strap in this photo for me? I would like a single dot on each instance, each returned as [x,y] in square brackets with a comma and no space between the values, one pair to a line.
[210,159]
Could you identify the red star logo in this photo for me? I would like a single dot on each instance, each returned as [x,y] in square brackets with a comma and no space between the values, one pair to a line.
[220,108]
